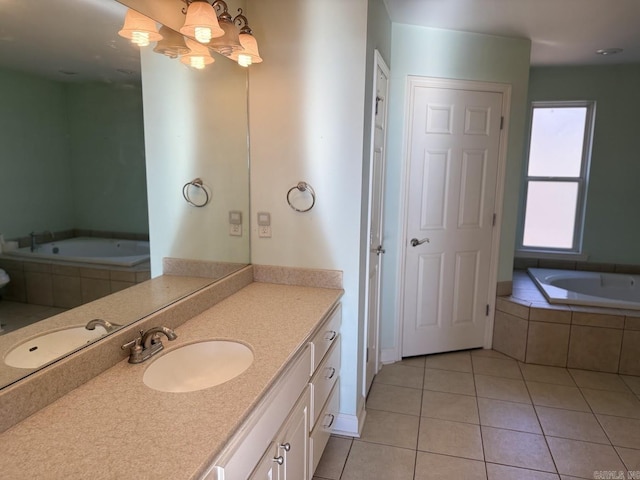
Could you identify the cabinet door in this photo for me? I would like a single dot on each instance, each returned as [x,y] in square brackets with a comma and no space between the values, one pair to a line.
[267,468]
[293,442]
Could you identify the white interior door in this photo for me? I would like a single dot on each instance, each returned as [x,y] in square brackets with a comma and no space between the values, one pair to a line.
[454,148]
[376,249]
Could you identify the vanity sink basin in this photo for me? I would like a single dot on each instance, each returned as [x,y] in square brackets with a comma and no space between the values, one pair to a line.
[198,366]
[49,346]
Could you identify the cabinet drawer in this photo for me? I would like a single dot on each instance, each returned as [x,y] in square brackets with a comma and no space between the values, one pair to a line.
[325,337]
[322,431]
[324,379]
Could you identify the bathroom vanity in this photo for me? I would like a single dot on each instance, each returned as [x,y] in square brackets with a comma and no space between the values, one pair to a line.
[275,417]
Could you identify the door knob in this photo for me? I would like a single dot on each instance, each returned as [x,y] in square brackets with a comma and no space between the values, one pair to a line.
[415,242]
[380,250]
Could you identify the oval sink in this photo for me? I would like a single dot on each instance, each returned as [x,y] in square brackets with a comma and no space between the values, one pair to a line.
[47,347]
[198,366]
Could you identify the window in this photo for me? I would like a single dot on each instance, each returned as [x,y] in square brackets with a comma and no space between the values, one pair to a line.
[556,176]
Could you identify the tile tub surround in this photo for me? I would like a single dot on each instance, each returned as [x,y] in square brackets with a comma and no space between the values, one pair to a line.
[66,285]
[531,330]
[105,427]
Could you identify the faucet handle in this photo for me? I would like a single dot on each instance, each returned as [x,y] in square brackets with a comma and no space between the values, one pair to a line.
[136,342]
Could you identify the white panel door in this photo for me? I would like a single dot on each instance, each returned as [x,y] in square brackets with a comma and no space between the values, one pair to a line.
[453,165]
[376,198]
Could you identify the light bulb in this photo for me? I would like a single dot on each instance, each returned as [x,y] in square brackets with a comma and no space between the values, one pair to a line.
[244,60]
[197,62]
[140,38]
[203,34]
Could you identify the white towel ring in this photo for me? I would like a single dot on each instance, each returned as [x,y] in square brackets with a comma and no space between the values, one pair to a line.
[197,183]
[302,187]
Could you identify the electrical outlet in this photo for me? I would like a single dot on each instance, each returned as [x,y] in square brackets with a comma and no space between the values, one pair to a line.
[264,231]
[235,230]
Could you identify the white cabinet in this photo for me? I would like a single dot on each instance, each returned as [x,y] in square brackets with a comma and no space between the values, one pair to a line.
[325,386]
[293,443]
[285,435]
[287,457]
[267,468]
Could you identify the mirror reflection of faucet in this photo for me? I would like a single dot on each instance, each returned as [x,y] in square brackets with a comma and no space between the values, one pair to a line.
[34,238]
[108,326]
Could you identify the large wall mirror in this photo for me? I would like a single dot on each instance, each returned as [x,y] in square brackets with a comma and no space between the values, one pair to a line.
[98,140]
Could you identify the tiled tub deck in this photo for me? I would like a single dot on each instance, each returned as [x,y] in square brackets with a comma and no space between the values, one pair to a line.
[531,330]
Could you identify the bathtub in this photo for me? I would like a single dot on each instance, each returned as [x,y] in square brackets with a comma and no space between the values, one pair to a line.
[573,287]
[88,250]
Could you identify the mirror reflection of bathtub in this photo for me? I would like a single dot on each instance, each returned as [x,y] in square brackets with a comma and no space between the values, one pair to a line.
[89,250]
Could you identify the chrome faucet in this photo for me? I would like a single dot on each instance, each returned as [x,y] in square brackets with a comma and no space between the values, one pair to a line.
[34,235]
[108,326]
[148,343]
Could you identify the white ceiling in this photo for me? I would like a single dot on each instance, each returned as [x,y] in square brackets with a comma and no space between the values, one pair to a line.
[562,32]
[54,36]
[79,37]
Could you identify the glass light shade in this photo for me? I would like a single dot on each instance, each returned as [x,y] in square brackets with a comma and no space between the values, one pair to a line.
[229,42]
[172,44]
[249,53]
[198,57]
[140,29]
[201,22]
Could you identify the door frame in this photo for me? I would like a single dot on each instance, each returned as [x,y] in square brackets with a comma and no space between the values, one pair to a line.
[448,83]
[378,62]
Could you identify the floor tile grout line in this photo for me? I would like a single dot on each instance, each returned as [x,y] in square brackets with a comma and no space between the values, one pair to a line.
[475,389]
[546,442]
[415,457]
[346,460]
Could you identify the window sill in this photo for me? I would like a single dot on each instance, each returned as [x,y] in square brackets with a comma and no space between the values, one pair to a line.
[546,255]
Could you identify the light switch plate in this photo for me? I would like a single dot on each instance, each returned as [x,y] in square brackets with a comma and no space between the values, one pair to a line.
[264,219]
[235,217]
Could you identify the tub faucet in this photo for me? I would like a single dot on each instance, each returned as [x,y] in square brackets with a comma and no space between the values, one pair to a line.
[108,326]
[148,343]
[34,238]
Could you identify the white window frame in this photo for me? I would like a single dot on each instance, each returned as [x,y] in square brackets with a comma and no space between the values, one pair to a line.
[582,181]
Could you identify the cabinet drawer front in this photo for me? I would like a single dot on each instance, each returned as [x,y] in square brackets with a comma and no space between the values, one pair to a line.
[325,337]
[324,379]
[322,431]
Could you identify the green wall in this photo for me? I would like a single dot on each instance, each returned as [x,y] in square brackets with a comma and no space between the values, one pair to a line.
[457,55]
[612,225]
[71,156]
[106,132]
[35,183]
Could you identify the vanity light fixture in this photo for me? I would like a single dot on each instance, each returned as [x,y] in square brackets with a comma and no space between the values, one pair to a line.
[249,53]
[172,44]
[201,22]
[230,41]
[198,56]
[140,29]
[238,42]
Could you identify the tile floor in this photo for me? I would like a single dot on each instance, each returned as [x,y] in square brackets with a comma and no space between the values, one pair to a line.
[481,415]
[14,315]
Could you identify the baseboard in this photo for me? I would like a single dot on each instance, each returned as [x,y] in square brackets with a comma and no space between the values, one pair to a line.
[389,355]
[350,425]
